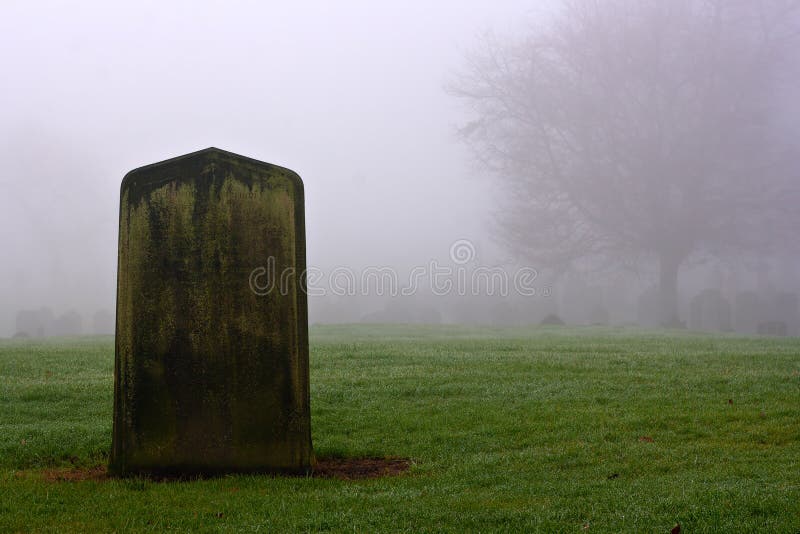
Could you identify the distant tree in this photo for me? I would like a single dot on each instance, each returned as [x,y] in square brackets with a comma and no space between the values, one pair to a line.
[630,130]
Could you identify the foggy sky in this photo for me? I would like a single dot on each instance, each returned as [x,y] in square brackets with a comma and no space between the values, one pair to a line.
[348,94]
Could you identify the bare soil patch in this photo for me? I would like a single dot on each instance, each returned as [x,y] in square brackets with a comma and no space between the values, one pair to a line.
[357,468]
[75,474]
[339,468]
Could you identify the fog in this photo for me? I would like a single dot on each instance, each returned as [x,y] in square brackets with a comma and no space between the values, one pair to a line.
[349,95]
[353,96]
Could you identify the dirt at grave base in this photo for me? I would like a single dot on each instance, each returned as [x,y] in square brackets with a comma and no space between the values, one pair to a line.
[339,468]
[356,468]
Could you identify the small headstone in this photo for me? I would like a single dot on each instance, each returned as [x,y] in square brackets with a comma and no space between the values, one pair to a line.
[710,311]
[211,373]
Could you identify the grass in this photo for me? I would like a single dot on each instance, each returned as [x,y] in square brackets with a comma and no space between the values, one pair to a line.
[539,429]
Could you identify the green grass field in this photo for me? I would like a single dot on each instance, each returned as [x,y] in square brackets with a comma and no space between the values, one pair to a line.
[540,429]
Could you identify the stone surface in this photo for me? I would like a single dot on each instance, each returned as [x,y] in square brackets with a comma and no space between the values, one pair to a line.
[211,376]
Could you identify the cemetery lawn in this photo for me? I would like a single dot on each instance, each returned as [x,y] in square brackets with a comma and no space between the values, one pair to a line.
[546,429]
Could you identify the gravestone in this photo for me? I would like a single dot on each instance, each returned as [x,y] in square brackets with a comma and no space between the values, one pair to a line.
[211,368]
[710,311]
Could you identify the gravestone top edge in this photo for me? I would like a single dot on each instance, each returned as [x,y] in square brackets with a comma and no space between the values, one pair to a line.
[209,154]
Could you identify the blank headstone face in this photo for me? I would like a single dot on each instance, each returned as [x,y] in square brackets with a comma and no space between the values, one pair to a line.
[210,375]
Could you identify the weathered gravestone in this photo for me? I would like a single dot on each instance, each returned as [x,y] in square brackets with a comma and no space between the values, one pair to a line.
[210,375]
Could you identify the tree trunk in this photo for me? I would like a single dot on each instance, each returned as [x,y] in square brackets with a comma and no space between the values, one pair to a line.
[668,289]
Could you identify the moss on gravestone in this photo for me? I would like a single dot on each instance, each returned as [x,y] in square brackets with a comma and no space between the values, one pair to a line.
[210,375]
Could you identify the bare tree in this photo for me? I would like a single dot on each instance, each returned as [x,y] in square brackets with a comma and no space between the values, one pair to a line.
[641,130]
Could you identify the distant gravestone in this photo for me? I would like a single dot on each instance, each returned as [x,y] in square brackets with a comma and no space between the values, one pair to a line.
[710,311]
[211,373]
